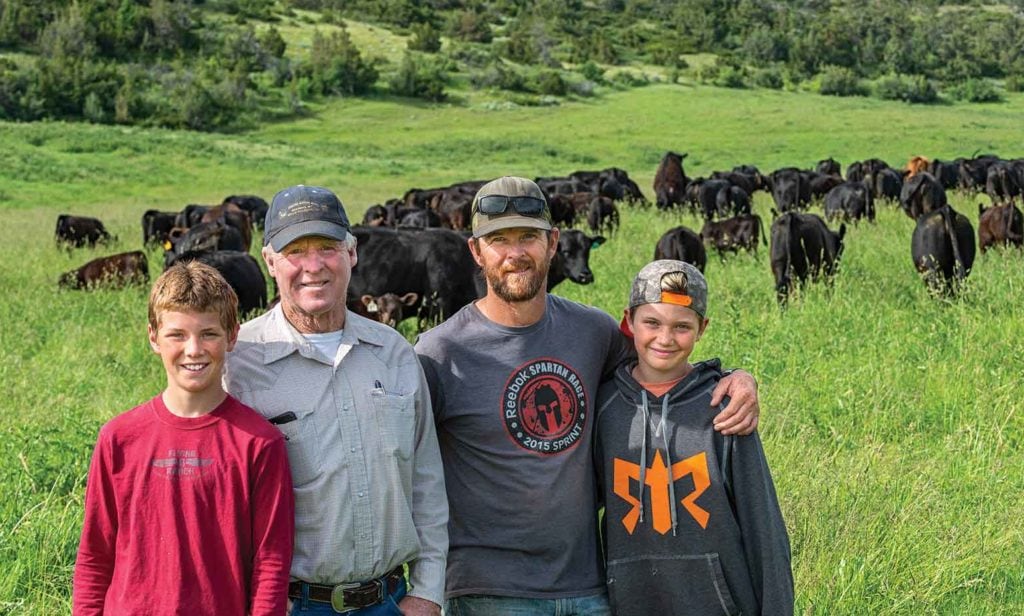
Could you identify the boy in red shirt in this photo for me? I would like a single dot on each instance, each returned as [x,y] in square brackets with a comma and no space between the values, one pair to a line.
[188,506]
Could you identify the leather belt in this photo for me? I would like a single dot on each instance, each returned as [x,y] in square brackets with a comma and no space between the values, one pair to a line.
[354,596]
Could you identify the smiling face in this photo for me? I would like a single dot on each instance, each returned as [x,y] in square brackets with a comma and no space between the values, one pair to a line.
[312,275]
[192,346]
[664,336]
[515,261]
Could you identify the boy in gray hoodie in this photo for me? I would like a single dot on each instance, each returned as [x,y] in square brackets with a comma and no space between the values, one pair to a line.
[692,524]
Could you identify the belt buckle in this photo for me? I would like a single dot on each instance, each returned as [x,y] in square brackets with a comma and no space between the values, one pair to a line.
[338,597]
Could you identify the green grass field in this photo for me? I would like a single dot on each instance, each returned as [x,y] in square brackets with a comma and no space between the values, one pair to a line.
[892,420]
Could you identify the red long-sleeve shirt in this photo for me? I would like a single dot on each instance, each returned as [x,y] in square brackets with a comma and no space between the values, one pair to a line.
[186,516]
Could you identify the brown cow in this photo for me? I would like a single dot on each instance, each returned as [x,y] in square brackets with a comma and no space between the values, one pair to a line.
[916,165]
[234,216]
[114,271]
[1002,224]
[670,181]
[731,234]
[388,308]
[78,231]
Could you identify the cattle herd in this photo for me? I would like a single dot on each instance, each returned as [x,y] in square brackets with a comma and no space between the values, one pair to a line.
[413,257]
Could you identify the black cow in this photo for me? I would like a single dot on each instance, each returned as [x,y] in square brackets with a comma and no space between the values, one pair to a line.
[681,244]
[703,193]
[255,206]
[973,172]
[1002,183]
[946,173]
[802,246]
[563,212]
[1001,224]
[749,182]
[234,216]
[572,260]
[433,263]
[375,216]
[191,215]
[79,231]
[156,226]
[942,247]
[850,201]
[113,271]
[602,215]
[829,166]
[921,193]
[732,200]
[731,234]
[204,237]
[670,181]
[819,184]
[239,269]
[415,217]
[886,184]
[790,189]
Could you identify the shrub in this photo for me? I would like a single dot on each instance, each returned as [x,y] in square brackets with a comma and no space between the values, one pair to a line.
[840,81]
[730,77]
[976,91]
[550,82]
[336,67]
[908,88]
[469,26]
[592,71]
[425,37]
[1014,83]
[498,75]
[770,78]
[419,77]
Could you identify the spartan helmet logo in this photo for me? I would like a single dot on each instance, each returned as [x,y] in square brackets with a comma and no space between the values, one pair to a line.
[549,409]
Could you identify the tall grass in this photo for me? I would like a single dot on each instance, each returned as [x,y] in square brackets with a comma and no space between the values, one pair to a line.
[892,420]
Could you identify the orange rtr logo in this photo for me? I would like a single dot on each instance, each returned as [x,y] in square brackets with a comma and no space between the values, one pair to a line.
[657,478]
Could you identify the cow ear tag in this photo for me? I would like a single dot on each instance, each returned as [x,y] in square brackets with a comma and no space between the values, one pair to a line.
[167,245]
[372,307]
[595,244]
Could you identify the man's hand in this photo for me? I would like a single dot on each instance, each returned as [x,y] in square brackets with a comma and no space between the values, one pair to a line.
[740,415]
[415,606]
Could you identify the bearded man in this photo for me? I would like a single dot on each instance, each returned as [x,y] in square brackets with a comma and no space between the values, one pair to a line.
[512,380]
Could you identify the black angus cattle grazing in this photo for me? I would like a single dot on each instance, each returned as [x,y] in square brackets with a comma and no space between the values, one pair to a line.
[239,269]
[389,308]
[974,171]
[829,166]
[1002,183]
[885,184]
[731,234]
[921,194]
[191,215]
[433,263]
[79,231]
[114,271]
[703,193]
[749,182]
[602,215]
[563,212]
[454,205]
[819,184]
[946,173]
[802,246]
[572,259]
[790,189]
[415,217]
[942,247]
[255,206]
[850,201]
[156,226]
[681,244]
[234,216]
[1002,224]
[204,237]
[732,201]
[670,181]
[375,216]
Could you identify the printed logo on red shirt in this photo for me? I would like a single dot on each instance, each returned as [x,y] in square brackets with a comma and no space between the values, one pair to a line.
[181,463]
[544,406]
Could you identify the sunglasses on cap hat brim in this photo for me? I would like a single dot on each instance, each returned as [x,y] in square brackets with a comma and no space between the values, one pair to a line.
[498,204]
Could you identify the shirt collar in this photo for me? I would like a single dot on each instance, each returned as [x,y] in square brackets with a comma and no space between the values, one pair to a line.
[281,339]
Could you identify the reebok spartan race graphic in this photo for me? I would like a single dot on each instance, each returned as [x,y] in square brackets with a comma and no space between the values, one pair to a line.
[544,406]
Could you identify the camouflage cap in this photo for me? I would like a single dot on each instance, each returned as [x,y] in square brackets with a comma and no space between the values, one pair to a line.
[509,186]
[647,286]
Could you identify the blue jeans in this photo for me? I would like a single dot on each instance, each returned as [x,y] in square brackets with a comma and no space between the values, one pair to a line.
[489,605]
[388,608]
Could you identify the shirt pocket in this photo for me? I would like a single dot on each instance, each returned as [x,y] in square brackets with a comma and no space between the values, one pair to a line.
[396,420]
[303,446]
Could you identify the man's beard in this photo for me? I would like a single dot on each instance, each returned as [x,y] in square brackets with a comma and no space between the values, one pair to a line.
[518,286]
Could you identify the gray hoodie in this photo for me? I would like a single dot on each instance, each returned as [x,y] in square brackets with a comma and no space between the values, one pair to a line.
[692,524]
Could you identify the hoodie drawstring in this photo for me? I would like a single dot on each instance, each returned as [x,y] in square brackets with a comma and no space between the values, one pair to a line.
[659,430]
[643,452]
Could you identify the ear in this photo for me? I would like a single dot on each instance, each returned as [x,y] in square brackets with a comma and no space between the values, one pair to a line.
[703,328]
[268,257]
[152,339]
[474,249]
[353,256]
[366,299]
[233,337]
[597,241]
[409,299]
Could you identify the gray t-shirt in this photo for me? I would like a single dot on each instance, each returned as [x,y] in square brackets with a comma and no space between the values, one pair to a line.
[515,413]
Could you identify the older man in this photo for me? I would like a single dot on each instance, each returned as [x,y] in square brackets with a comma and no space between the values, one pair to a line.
[351,399]
[513,380]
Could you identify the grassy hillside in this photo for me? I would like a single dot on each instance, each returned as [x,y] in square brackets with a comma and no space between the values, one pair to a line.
[892,421]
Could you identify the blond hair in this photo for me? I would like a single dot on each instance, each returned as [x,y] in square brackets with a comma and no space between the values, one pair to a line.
[193,287]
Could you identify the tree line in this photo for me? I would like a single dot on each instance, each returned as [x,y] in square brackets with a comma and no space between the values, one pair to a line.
[217,64]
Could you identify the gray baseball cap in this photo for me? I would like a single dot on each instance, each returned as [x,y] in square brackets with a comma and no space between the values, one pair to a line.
[647,286]
[299,211]
[510,187]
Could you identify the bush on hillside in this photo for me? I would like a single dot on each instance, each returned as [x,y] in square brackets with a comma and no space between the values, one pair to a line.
[469,26]
[419,77]
[770,78]
[840,81]
[907,88]
[592,72]
[549,82]
[730,77]
[335,66]
[976,91]
[425,37]
[498,75]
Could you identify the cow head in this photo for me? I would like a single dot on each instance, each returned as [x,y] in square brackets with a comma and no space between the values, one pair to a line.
[388,308]
[574,249]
